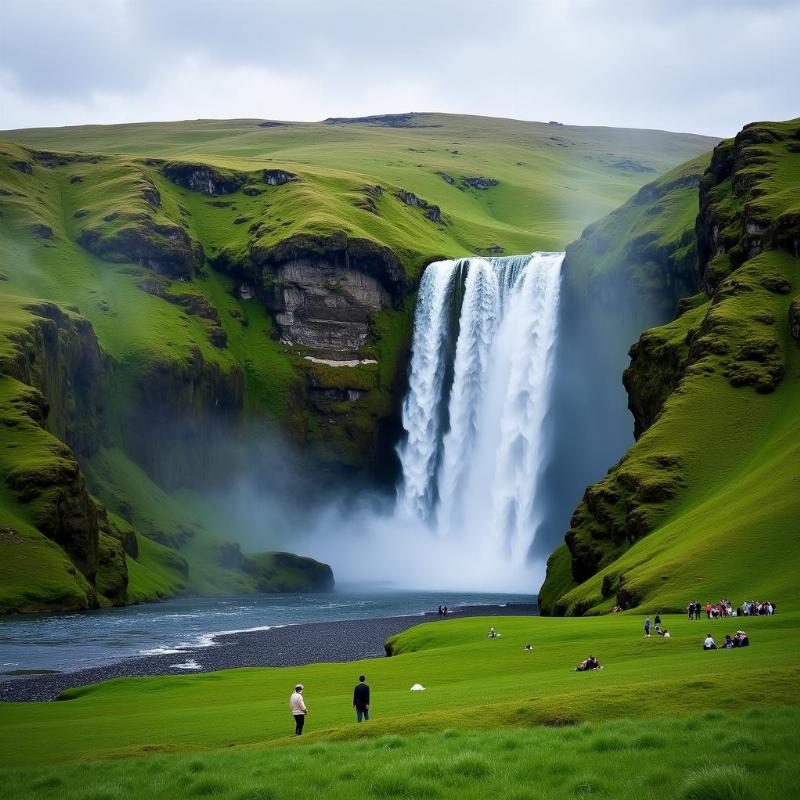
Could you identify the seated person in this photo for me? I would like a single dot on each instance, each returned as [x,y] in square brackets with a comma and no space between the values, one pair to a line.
[741,639]
[728,643]
[709,643]
[529,648]
[492,633]
[663,632]
[590,664]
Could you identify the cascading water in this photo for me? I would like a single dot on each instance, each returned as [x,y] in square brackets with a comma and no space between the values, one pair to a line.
[479,388]
[478,392]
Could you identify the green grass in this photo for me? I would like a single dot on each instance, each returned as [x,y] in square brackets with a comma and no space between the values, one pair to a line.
[719,756]
[663,718]
[707,496]
[461,669]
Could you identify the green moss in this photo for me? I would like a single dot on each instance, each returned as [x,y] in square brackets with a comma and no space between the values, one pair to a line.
[715,393]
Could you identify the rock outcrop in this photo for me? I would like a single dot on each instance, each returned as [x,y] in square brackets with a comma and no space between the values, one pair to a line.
[322,291]
[431,211]
[163,248]
[203,178]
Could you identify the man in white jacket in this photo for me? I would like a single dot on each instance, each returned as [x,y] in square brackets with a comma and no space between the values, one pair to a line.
[298,707]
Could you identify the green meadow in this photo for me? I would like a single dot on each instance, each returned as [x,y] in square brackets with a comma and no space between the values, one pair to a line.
[662,718]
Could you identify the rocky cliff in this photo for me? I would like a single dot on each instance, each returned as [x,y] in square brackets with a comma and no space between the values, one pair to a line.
[727,346]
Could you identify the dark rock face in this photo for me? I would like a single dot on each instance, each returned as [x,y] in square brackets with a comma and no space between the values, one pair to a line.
[165,249]
[59,355]
[40,230]
[286,572]
[323,292]
[381,120]
[277,177]
[432,212]
[185,416]
[656,367]
[794,319]
[203,178]
[65,375]
[478,182]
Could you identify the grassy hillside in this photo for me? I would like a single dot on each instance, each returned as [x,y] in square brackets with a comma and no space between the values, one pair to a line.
[552,179]
[623,732]
[706,501]
[171,247]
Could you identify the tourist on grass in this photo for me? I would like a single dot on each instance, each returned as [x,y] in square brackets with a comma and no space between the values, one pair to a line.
[361,699]
[658,622]
[728,642]
[741,639]
[690,611]
[588,665]
[647,626]
[529,648]
[663,632]
[299,710]
[709,643]
[493,634]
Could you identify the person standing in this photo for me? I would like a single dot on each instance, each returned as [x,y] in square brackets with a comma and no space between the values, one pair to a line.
[298,707]
[647,626]
[658,623]
[361,699]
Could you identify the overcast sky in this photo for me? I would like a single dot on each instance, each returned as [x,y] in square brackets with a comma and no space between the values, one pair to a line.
[706,66]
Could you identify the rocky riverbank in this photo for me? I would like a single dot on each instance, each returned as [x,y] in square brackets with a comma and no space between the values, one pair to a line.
[286,646]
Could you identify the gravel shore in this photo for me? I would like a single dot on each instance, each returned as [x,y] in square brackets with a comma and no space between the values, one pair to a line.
[291,645]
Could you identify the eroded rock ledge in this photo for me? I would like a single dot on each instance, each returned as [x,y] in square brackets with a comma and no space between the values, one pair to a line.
[322,291]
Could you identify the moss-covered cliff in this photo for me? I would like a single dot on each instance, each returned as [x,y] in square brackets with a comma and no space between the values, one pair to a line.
[705,503]
[253,289]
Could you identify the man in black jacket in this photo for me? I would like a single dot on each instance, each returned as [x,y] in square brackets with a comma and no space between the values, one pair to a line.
[361,699]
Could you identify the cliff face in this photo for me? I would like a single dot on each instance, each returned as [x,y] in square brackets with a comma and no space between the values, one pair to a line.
[54,354]
[731,338]
[627,272]
[323,292]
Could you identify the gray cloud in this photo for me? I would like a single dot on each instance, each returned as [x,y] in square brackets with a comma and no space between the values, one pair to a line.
[705,67]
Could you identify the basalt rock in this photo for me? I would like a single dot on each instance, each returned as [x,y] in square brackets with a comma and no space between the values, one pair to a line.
[323,291]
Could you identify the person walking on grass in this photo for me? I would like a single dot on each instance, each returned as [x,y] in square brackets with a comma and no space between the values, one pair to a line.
[298,707]
[647,626]
[361,699]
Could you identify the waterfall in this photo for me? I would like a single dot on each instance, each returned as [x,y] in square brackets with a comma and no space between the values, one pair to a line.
[478,392]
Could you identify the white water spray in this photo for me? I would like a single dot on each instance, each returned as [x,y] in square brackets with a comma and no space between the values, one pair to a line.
[479,388]
[472,457]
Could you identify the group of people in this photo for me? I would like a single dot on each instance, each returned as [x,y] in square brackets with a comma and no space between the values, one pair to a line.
[740,639]
[648,626]
[754,609]
[442,611]
[724,608]
[299,710]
